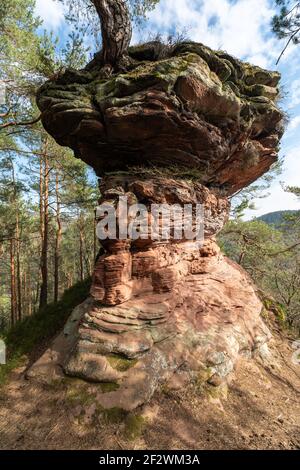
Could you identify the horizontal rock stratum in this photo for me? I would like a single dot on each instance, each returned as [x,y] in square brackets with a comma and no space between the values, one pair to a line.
[182,125]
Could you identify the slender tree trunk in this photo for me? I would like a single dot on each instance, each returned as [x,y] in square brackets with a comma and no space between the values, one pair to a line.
[37,295]
[96,249]
[57,241]
[87,262]
[81,245]
[41,206]
[29,294]
[25,303]
[41,197]
[241,257]
[45,230]
[19,280]
[69,280]
[13,291]
[115,28]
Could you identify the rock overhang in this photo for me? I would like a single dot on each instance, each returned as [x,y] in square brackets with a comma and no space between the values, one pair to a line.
[188,107]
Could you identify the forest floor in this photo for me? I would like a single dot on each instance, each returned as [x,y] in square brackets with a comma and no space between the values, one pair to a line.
[261,410]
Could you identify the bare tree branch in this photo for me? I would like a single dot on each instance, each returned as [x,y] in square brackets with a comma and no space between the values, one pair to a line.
[16,123]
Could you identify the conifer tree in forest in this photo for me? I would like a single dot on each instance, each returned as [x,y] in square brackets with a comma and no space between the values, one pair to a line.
[38,248]
[286,23]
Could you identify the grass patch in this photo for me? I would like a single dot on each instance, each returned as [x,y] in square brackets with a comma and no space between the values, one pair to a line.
[79,396]
[204,375]
[277,309]
[171,171]
[28,334]
[134,427]
[114,415]
[216,393]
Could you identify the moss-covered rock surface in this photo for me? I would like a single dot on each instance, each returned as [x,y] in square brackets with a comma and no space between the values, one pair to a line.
[185,106]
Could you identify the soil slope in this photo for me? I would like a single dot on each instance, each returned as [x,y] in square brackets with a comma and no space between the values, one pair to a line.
[261,411]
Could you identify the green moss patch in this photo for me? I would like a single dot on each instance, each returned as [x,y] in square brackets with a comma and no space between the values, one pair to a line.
[204,375]
[114,415]
[217,393]
[107,387]
[276,308]
[134,427]
[79,396]
[121,364]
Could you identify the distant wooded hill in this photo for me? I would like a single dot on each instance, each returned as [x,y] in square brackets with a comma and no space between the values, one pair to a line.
[275,218]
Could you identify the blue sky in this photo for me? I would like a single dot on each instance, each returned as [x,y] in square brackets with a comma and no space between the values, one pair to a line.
[242,28]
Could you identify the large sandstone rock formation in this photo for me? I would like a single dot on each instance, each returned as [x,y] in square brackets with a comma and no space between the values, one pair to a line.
[183,125]
[199,110]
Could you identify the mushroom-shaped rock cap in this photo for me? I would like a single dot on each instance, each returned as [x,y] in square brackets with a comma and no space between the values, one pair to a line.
[187,107]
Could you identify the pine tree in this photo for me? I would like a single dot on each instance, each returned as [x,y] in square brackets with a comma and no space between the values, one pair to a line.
[286,24]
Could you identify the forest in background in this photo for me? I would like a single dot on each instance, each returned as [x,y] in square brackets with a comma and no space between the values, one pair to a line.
[47,197]
[270,253]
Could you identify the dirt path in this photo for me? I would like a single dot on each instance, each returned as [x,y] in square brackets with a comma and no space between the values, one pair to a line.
[261,411]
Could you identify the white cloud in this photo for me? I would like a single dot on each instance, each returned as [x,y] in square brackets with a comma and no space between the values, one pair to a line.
[242,28]
[51,12]
[294,124]
[294,97]
[279,199]
[291,169]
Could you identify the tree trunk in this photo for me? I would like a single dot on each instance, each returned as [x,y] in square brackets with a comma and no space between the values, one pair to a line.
[69,280]
[29,294]
[41,196]
[13,291]
[19,280]
[25,303]
[81,245]
[45,230]
[57,241]
[115,28]
[41,203]
[96,247]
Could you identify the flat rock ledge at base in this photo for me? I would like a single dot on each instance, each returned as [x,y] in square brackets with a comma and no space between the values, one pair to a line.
[195,333]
